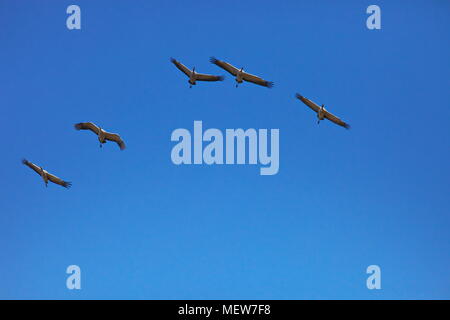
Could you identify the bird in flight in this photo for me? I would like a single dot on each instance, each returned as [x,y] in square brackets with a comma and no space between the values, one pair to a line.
[240,74]
[45,175]
[102,135]
[322,113]
[194,76]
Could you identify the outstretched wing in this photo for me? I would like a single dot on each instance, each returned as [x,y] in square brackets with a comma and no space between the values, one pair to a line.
[181,67]
[59,181]
[32,166]
[336,120]
[207,77]
[225,65]
[257,80]
[116,138]
[87,126]
[308,102]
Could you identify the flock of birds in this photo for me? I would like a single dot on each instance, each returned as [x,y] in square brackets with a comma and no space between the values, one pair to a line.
[102,135]
[240,76]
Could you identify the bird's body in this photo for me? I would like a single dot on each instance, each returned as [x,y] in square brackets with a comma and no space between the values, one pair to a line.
[194,76]
[102,135]
[322,113]
[240,75]
[46,176]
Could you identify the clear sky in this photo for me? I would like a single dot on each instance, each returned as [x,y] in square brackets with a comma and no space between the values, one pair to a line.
[141,227]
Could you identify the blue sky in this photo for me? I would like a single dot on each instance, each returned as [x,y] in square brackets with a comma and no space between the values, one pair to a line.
[141,227]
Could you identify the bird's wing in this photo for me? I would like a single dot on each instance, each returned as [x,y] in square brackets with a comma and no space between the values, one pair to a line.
[181,67]
[308,102]
[257,80]
[59,181]
[336,120]
[32,166]
[87,126]
[208,77]
[225,65]
[116,138]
